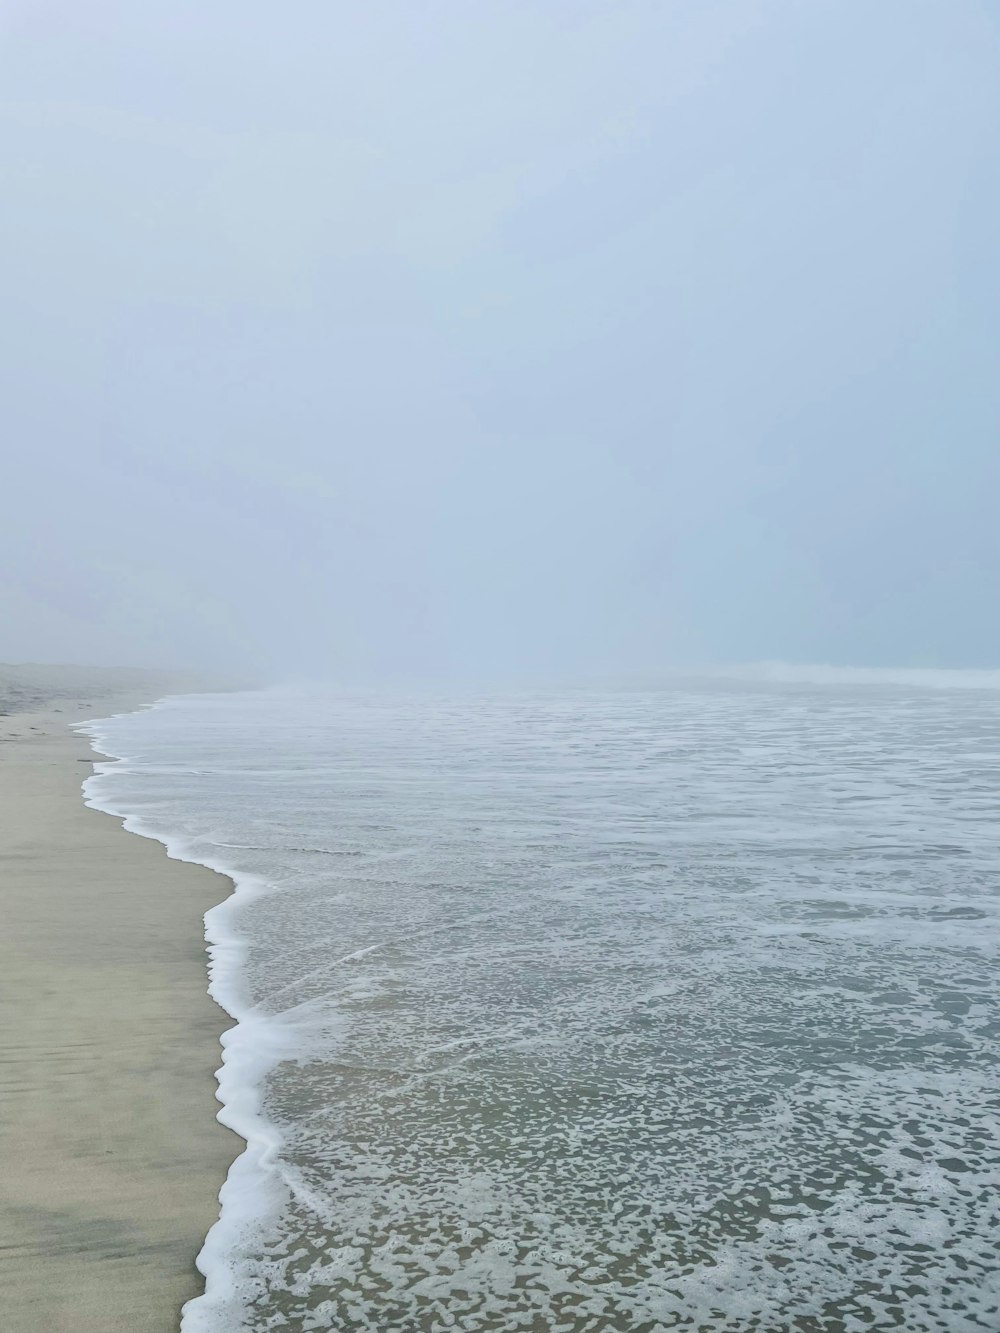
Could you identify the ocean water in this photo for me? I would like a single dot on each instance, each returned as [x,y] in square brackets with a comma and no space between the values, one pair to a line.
[580,1011]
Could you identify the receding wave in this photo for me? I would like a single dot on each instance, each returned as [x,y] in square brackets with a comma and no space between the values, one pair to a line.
[254,1191]
[629,1010]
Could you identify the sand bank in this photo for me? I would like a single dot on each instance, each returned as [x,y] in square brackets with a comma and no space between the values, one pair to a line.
[110,1153]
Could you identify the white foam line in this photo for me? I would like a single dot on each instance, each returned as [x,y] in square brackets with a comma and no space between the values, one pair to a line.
[321,971]
[255,1187]
[794,673]
[396,941]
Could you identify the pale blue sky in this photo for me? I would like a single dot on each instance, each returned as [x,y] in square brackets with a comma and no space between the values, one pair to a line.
[451,338]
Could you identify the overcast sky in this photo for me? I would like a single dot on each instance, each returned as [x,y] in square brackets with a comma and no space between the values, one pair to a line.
[511,336]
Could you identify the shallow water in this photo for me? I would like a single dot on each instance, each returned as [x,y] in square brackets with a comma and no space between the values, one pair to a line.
[596,1011]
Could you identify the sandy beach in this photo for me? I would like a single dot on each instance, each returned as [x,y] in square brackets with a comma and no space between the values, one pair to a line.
[112,1156]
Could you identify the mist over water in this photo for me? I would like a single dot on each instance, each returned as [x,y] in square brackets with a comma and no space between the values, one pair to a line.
[631,1010]
[428,349]
[516,339]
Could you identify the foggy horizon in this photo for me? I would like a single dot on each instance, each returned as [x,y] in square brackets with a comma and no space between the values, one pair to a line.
[508,341]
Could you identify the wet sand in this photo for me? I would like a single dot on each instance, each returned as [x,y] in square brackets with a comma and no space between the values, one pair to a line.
[111,1159]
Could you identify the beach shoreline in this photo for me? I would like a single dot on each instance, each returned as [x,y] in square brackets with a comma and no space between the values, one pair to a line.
[113,1157]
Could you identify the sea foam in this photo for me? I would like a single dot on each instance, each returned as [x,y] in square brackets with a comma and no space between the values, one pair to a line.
[644,1009]
[254,1190]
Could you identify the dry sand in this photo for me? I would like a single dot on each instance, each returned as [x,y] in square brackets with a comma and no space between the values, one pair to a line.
[111,1158]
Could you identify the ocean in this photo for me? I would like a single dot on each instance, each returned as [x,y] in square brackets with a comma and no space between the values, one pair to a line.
[585,1010]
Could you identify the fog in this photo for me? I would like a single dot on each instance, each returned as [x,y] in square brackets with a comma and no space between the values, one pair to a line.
[517,337]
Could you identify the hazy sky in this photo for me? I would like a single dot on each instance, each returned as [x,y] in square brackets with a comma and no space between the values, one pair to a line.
[443,336]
